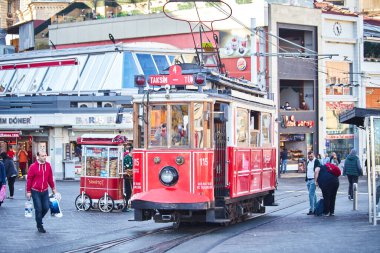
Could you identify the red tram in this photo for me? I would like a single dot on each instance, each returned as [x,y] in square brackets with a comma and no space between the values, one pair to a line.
[202,153]
[204,144]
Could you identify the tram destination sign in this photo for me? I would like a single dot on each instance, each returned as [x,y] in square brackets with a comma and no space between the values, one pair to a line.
[175,77]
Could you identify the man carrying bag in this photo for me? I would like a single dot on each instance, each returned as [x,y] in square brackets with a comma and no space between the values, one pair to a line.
[40,177]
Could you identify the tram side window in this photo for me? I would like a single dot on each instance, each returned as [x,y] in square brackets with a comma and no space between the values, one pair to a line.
[254,127]
[266,130]
[158,126]
[198,125]
[242,127]
[179,135]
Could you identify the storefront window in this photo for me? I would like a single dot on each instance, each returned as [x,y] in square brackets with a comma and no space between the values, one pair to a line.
[242,127]
[338,78]
[340,137]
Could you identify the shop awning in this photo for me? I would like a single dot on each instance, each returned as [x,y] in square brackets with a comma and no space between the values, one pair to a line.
[12,134]
[357,115]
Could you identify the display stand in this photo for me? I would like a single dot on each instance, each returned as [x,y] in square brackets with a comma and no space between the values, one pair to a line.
[101,183]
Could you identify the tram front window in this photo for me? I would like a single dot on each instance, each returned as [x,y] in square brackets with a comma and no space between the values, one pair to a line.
[158,126]
[179,125]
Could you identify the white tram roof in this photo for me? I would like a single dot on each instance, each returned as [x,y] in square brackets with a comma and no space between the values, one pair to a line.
[98,68]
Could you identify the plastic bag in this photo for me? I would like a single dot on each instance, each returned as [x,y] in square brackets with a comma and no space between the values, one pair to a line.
[3,193]
[28,209]
[55,209]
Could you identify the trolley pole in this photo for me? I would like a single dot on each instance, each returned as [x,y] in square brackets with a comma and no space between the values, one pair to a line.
[355,193]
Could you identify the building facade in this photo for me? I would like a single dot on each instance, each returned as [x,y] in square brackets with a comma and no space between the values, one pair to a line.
[294,77]
[341,85]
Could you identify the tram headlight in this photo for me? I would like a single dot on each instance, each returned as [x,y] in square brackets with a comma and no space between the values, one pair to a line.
[168,176]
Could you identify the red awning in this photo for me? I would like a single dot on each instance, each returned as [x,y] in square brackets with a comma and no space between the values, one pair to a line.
[13,134]
[44,64]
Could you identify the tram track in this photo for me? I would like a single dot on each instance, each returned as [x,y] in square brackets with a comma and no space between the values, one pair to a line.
[172,243]
[109,244]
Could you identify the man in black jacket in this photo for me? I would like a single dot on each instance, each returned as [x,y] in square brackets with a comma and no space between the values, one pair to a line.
[312,163]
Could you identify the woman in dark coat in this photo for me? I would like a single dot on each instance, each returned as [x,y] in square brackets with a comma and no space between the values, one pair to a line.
[329,185]
[11,173]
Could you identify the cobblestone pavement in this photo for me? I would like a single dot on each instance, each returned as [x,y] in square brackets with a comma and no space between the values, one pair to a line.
[348,231]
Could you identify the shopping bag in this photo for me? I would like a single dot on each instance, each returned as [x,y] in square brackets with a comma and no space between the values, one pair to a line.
[55,209]
[28,209]
[3,193]
[319,208]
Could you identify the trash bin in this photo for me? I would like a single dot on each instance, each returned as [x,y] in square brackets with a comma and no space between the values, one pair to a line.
[69,172]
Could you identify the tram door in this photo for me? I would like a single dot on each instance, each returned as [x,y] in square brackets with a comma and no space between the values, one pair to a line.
[220,119]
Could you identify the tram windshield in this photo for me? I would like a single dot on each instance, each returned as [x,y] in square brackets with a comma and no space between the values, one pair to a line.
[175,125]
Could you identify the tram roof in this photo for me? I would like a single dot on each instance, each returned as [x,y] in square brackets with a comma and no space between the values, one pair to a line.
[357,116]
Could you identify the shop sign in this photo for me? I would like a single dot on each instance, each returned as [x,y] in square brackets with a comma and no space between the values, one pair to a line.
[241,64]
[94,120]
[339,136]
[339,106]
[10,134]
[290,121]
[15,120]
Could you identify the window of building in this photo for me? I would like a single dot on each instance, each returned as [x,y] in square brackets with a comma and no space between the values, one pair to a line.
[147,64]
[340,137]
[299,95]
[129,71]
[338,78]
[161,62]
[294,41]
[371,50]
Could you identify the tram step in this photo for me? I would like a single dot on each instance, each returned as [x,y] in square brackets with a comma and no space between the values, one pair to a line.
[219,212]
[221,220]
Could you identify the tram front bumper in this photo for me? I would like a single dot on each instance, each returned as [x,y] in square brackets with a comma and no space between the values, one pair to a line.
[170,199]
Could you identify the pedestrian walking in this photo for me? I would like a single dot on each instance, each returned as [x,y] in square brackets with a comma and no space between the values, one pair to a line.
[320,159]
[334,159]
[326,159]
[3,182]
[22,161]
[284,160]
[40,177]
[11,153]
[312,164]
[11,173]
[352,169]
[329,184]
[128,177]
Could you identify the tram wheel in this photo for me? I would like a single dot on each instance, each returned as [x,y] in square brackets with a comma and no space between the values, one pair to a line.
[106,204]
[83,204]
